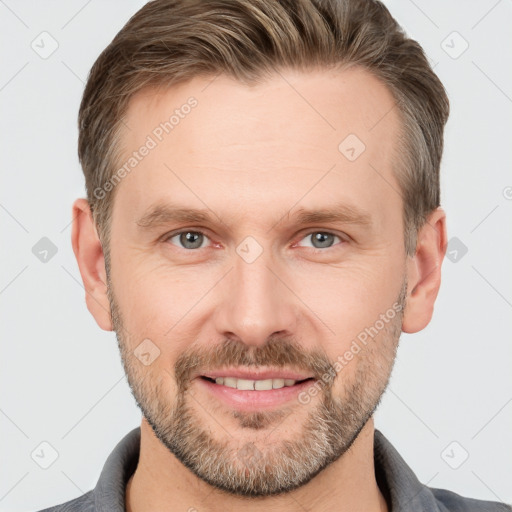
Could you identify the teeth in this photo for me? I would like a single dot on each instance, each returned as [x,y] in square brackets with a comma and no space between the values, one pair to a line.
[258,385]
[244,384]
[263,385]
[230,382]
[277,383]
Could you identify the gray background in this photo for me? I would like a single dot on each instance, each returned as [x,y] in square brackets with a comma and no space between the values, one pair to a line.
[61,380]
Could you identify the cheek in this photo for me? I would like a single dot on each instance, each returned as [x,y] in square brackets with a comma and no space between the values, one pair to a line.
[153,298]
[364,367]
[160,304]
[347,299]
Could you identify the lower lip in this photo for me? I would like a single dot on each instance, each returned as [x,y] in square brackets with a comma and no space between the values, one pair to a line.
[243,400]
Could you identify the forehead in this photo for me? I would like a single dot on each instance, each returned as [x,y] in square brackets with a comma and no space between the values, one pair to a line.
[296,137]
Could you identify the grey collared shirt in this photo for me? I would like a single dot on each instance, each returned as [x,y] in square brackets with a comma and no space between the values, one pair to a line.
[396,480]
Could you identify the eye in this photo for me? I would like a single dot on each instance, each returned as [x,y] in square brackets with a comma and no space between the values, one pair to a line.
[320,240]
[188,239]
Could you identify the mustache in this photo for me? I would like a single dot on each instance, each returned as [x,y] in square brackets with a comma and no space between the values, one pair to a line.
[275,353]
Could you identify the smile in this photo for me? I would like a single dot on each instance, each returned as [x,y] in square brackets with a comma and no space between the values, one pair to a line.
[254,391]
[254,385]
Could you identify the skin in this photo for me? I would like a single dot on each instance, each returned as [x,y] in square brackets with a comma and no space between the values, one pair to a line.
[254,156]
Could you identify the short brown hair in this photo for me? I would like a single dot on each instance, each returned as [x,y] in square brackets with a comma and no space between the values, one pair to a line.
[172,41]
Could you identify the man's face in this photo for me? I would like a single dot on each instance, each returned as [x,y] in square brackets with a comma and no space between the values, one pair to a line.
[263,291]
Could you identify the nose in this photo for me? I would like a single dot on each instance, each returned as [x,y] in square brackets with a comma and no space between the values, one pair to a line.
[255,303]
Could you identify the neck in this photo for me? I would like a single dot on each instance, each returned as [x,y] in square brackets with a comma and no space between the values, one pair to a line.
[162,483]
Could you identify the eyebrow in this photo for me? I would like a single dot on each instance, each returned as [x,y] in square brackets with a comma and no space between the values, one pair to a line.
[166,213]
[163,214]
[343,213]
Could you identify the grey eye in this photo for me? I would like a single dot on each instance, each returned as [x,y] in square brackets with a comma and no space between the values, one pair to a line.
[321,239]
[189,239]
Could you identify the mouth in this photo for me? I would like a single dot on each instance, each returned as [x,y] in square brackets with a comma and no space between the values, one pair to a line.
[254,391]
[254,384]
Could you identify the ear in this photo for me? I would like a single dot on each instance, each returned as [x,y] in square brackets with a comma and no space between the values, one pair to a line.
[91,262]
[424,273]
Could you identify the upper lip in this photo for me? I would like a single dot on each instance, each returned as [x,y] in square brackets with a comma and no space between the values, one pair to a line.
[247,374]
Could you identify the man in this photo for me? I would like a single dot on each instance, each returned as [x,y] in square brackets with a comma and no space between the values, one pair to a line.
[262,221]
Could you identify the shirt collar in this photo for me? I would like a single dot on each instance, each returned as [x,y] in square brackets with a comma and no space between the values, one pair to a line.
[397,481]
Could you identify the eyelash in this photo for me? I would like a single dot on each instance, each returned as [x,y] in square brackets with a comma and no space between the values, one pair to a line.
[169,236]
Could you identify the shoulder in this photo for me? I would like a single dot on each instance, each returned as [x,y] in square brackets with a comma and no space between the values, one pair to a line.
[406,492]
[453,502]
[84,503]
